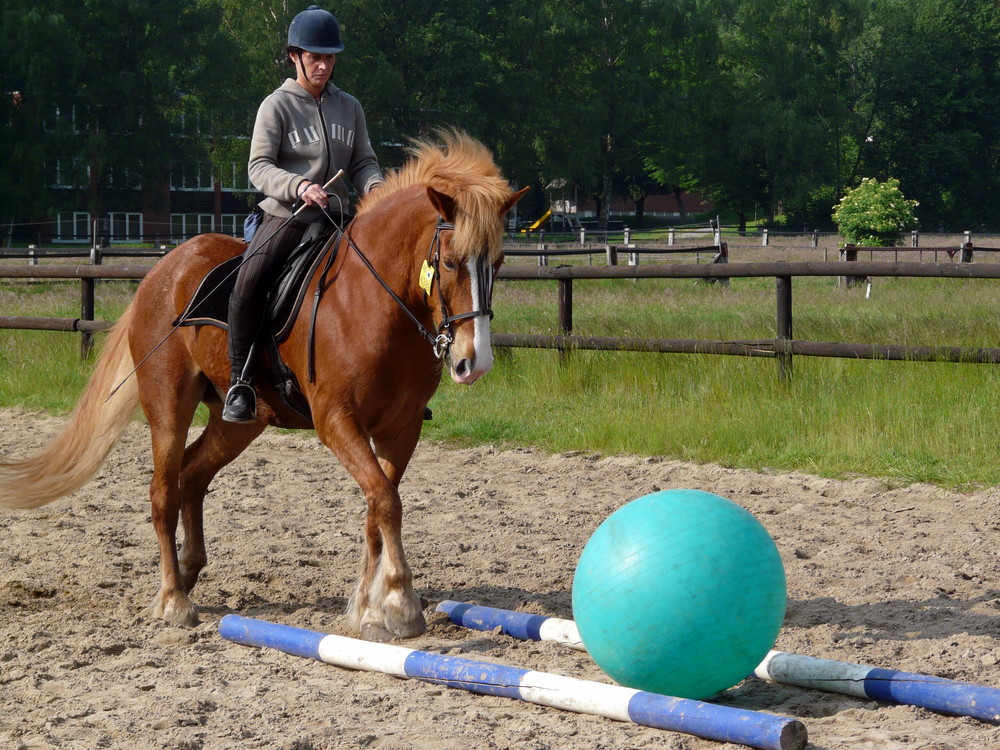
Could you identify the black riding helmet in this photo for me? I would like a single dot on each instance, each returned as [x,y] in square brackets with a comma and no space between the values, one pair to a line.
[315,30]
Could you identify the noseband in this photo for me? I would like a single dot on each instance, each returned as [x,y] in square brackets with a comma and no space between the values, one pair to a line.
[432,269]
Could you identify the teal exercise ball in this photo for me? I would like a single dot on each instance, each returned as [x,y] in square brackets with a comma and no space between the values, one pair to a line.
[679,592]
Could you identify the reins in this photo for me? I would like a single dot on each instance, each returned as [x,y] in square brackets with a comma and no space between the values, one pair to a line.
[442,341]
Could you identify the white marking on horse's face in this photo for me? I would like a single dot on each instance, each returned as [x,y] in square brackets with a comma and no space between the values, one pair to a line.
[471,360]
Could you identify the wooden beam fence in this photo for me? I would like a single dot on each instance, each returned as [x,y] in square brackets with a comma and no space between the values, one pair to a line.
[781,347]
[612,253]
[88,276]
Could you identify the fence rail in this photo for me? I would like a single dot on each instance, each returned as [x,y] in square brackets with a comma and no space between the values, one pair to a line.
[782,347]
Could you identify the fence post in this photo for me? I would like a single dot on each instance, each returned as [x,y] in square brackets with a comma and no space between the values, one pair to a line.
[763,238]
[86,313]
[670,236]
[721,257]
[565,306]
[815,239]
[612,253]
[543,259]
[87,293]
[783,339]
[849,253]
[583,235]
[565,314]
[967,252]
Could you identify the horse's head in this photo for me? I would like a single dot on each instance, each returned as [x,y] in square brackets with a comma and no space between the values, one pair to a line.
[468,201]
[457,277]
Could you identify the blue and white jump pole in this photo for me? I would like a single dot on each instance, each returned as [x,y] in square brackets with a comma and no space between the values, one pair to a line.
[934,693]
[721,723]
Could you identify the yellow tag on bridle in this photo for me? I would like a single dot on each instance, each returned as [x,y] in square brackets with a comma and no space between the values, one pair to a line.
[426,277]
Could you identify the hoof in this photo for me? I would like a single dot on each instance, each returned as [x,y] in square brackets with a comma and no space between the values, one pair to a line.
[177,610]
[410,628]
[386,627]
[375,633]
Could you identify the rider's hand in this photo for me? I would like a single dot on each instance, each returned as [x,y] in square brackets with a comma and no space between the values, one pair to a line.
[314,195]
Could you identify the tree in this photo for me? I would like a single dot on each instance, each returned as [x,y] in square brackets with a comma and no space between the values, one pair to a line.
[875,214]
[129,92]
[929,76]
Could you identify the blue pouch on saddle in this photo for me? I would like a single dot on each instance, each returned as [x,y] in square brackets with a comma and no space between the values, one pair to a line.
[251,222]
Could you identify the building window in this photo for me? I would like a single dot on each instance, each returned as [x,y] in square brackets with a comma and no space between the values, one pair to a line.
[125,226]
[68,173]
[234,177]
[232,224]
[72,226]
[190,177]
[185,226]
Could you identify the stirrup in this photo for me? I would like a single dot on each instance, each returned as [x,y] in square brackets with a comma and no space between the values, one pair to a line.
[241,404]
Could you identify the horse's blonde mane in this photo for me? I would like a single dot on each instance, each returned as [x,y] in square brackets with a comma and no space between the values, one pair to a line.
[463,168]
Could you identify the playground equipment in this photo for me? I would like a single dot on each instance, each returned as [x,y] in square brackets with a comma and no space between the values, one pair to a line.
[562,212]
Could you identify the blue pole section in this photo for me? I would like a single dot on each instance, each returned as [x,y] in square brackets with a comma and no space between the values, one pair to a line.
[518,625]
[934,693]
[515,624]
[706,720]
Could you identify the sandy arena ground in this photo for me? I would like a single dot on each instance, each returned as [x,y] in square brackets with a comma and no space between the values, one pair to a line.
[899,578]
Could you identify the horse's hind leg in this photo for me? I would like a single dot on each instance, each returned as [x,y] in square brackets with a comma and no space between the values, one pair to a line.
[168,422]
[218,445]
[384,604]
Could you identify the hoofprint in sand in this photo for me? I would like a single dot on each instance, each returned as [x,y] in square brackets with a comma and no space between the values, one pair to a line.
[903,578]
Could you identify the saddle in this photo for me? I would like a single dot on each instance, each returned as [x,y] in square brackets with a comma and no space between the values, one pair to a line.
[209,306]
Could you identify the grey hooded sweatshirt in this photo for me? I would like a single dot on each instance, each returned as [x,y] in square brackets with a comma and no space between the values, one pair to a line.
[296,138]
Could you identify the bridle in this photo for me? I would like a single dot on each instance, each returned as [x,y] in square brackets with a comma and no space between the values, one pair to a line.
[443,338]
[483,290]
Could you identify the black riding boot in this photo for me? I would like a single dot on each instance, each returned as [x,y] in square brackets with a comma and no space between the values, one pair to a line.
[241,400]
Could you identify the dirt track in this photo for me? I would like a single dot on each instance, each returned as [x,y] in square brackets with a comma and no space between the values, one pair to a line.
[899,578]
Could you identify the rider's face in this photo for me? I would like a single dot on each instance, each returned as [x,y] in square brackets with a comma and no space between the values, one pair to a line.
[314,70]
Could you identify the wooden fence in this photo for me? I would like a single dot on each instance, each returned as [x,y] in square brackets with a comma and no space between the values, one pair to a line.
[782,347]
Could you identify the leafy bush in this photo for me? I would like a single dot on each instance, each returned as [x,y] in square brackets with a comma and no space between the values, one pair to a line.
[875,214]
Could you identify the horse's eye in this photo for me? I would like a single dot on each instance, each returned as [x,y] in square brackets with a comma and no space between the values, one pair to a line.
[450,265]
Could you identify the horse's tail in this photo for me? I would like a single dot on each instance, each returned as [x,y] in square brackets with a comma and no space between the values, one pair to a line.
[76,454]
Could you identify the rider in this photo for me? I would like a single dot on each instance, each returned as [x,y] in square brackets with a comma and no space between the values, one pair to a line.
[305,132]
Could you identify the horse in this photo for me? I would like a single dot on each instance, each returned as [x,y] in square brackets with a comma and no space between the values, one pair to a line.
[409,287]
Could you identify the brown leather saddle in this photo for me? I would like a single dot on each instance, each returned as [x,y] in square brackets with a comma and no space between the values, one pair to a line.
[210,306]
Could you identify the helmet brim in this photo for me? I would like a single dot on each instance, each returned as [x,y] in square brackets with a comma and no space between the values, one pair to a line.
[324,50]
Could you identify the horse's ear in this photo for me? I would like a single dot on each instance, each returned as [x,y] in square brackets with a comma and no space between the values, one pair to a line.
[443,202]
[513,199]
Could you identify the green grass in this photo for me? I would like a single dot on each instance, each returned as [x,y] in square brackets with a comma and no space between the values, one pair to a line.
[899,421]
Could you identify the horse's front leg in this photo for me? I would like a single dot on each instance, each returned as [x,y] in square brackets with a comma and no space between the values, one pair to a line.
[384,604]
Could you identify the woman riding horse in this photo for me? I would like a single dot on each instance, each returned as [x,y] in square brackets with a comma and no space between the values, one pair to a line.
[305,132]
[431,235]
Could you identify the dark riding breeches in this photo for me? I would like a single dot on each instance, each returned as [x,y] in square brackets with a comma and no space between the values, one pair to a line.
[264,259]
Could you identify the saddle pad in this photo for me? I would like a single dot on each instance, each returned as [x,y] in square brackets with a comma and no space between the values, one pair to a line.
[210,303]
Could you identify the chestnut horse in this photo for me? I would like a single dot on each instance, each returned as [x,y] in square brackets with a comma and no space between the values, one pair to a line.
[374,371]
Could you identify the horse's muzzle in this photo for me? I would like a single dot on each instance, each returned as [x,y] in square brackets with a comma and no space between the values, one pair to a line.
[471,356]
